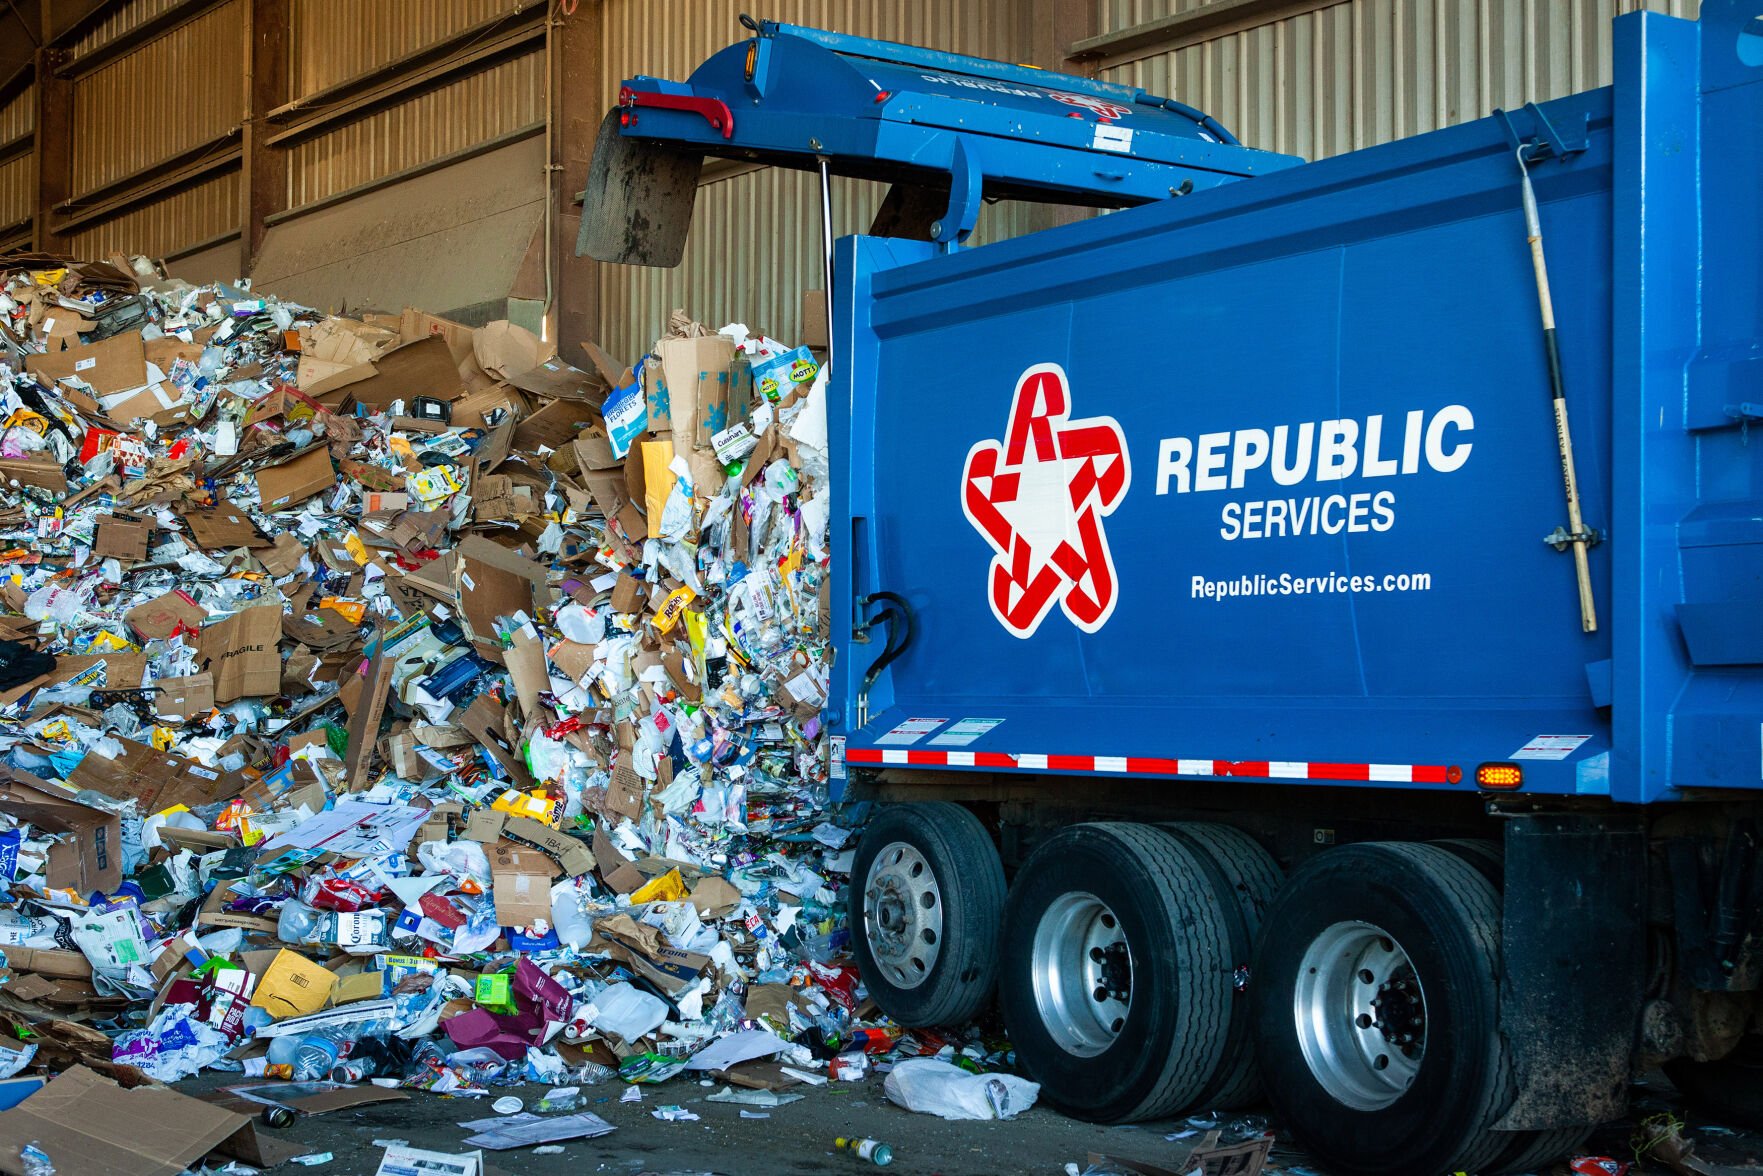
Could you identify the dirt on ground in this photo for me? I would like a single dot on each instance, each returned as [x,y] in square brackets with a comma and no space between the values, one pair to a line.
[797,1139]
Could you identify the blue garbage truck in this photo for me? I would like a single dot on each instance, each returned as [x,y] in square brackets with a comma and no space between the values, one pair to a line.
[1303,629]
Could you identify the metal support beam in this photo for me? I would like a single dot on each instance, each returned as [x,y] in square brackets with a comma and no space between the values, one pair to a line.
[1208,22]
[54,133]
[157,25]
[263,179]
[157,180]
[577,95]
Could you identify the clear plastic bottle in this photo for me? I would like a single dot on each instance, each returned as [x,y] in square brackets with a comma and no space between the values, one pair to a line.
[312,1055]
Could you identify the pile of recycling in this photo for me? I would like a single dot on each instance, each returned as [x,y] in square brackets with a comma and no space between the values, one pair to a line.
[384,698]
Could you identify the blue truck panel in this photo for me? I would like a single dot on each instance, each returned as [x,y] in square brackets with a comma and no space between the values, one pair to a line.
[1254,484]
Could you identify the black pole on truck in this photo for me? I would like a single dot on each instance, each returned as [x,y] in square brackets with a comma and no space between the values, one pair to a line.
[1576,534]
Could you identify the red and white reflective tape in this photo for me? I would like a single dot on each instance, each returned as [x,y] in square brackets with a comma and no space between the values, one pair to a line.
[1151,766]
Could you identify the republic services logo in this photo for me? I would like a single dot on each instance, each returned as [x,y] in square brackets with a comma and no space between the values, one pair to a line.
[1039,499]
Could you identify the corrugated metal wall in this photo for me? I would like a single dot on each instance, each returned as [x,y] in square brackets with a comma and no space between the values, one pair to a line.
[17,189]
[170,95]
[17,176]
[335,40]
[1363,72]
[191,217]
[18,117]
[755,243]
[478,107]
[128,16]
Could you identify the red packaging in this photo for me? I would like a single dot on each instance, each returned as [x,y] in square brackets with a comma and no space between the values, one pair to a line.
[1597,1166]
[839,983]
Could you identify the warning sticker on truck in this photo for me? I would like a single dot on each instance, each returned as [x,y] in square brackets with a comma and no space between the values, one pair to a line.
[1550,747]
[909,731]
[964,731]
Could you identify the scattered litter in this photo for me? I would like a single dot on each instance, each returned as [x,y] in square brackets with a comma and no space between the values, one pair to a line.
[526,1129]
[933,1087]
[313,1159]
[415,1161]
[673,1114]
[507,1105]
[752,1098]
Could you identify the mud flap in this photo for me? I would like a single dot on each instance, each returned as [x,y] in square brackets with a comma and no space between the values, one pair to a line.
[1573,964]
[637,208]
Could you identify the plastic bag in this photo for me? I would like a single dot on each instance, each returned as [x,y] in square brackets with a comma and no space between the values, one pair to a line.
[626,1012]
[933,1087]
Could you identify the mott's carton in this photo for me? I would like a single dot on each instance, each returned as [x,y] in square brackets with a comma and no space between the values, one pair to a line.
[777,377]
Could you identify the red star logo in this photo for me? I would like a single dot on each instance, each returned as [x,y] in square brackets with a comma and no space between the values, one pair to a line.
[1100,107]
[1039,499]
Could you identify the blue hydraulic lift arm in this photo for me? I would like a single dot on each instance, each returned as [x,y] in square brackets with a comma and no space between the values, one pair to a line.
[954,130]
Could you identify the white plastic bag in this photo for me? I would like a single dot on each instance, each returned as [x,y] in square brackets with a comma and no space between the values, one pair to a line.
[933,1087]
[626,1012]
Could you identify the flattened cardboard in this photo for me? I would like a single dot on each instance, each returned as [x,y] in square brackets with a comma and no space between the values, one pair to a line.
[561,380]
[554,426]
[423,368]
[90,1125]
[225,528]
[159,618]
[695,383]
[492,581]
[243,653]
[295,481]
[121,539]
[110,366]
[157,779]
[567,851]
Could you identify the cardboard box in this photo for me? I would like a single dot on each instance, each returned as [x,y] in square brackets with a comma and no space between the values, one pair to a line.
[90,860]
[67,965]
[293,986]
[90,1125]
[295,481]
[184,698]
[41,471]
[520,882]
[692,396]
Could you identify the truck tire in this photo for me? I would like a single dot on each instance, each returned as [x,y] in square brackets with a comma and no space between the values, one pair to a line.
[1537,1150]
[927,896]
[1730,1089]
[1249,876]
[1488,857]
[1412,1085]
[1116,978]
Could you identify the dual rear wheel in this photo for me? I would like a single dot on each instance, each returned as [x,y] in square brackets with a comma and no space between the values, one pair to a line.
[1144,971]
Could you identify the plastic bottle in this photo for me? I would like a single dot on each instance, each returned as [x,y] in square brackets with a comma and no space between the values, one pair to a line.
[873,1150]
[312,1055]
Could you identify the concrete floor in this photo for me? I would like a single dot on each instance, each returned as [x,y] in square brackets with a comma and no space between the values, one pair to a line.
[797,1140]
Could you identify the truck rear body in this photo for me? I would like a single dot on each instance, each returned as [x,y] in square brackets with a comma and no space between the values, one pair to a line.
[1254,484]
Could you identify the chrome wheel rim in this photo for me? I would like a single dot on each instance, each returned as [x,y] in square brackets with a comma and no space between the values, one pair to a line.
[1361,1015]
[903,914]
[1082,974]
